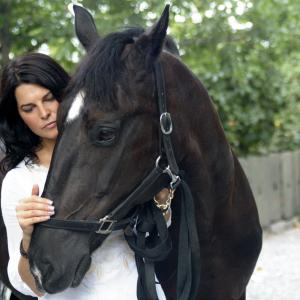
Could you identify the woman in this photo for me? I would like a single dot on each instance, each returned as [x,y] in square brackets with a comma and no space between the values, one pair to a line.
[31,90]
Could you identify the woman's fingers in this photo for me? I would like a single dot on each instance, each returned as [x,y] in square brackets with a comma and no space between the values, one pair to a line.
[35,190]
[33,210]
[34,213]
[27,223]
[34,206]
[38,199]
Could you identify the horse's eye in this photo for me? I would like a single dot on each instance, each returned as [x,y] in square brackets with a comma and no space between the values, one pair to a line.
[106,134]
[103,136]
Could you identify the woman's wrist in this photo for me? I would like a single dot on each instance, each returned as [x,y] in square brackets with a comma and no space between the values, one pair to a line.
[163,200]
[23,252]
[26,242]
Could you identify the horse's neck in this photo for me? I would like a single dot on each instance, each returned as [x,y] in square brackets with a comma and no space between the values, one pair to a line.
[200,143]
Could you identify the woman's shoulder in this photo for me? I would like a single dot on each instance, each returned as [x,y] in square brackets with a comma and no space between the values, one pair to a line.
[20,173]
[14,186]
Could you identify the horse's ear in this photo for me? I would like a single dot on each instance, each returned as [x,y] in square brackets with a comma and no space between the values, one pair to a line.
[85,27]
[152,40]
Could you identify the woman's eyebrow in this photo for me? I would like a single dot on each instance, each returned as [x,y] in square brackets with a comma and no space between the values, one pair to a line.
[43,98]
[47,95]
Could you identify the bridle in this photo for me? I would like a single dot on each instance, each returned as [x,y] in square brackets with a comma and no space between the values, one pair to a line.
[164,173]
[147,221]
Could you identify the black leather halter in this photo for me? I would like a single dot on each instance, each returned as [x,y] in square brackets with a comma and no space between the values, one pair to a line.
[147,222]
[165,170]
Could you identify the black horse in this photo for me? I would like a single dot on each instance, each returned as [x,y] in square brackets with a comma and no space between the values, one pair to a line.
[109,142]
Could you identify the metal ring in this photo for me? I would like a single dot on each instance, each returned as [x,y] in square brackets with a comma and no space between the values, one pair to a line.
[168,122]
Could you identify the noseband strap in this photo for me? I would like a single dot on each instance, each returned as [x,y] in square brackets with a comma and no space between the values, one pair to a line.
[154,182]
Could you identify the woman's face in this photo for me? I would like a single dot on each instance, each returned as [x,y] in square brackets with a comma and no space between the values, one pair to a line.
[38,108]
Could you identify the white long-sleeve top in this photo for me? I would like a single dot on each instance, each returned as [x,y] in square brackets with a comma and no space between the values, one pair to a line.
[112,274]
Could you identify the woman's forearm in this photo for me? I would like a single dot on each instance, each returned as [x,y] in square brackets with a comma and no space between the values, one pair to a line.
[24,270]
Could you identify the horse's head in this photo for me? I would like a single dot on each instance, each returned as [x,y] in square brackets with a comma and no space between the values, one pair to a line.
[108,141]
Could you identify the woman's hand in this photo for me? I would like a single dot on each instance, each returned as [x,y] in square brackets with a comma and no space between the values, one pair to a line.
[163,196]
[163,201]
[33,210]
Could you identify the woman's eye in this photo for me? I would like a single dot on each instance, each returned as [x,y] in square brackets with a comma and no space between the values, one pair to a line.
[27,109]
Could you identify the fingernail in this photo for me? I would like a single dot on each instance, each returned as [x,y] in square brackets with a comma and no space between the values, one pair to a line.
[49,201]
[50,213]
[51,207]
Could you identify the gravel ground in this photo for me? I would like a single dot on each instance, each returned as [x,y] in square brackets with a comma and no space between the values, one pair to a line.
[277,273]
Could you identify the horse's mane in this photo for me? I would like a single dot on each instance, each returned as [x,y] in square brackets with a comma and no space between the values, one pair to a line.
[99,70]
[102,66]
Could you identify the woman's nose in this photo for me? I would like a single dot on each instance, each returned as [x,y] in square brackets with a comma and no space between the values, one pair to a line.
[44,113]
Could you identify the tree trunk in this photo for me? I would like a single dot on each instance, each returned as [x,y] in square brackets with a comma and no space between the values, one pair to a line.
[5,41]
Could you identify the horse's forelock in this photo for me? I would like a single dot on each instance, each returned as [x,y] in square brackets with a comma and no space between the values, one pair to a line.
[99,72]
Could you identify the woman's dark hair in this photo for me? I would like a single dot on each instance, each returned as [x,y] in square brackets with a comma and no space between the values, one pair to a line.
[18,140]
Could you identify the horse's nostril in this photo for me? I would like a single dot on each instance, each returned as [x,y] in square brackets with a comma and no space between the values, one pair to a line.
[47,267]
[42,270]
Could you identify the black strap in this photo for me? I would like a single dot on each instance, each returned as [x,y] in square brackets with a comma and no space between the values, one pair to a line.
[162,106]
[84,225]
[188,269]
[152,184]
[150,241]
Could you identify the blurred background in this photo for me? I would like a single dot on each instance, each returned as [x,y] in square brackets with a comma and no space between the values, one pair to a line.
[246,53]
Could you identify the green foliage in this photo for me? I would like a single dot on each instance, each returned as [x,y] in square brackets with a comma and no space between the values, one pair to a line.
[246,52]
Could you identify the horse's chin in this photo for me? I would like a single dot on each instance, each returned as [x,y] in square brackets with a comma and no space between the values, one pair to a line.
[58,285]
[54,288]
[83,267]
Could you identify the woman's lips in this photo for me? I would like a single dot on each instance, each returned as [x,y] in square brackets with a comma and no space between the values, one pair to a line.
[50,125]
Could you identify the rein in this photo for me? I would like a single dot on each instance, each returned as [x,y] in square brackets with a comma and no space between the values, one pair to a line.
[146,230]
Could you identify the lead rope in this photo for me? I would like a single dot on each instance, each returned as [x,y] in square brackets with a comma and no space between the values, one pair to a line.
[188,268]
[150,241]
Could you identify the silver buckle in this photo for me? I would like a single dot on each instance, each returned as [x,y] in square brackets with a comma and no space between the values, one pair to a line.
[105,225]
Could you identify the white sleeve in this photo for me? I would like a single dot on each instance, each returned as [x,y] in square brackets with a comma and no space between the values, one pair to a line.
[11,193]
